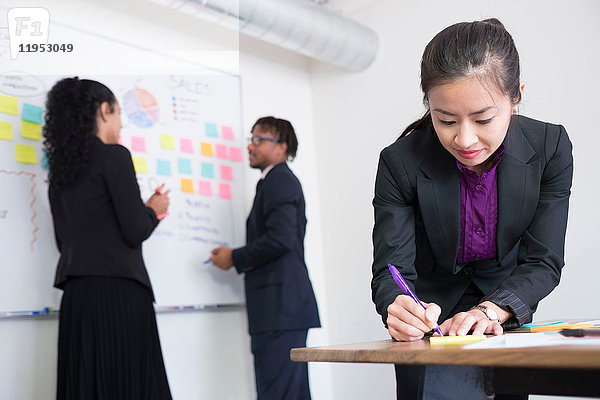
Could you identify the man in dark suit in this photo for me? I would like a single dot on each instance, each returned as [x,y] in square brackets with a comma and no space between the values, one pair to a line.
[280,300]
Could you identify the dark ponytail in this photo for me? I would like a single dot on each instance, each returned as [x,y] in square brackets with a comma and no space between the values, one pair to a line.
[69,124]
[483,49]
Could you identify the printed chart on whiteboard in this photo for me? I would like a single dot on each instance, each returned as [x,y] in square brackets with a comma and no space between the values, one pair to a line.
[183,131]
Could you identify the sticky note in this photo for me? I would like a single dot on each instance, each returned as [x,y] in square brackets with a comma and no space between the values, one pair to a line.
[30,130]
[235,154]
[185,166]
[187,185]
[138,144]
[436,340]
[211,130]
[44,160]
[206,149]
[205,188]
[221,151]
[163,167]
[226,173]
[6,130]
[139,163]
[9,105]
[207,170]
[186,145]
[166,142]
[225,191]
[25,154]
[31,113]
[227,132]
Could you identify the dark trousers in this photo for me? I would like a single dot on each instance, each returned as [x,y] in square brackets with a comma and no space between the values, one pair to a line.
[277,377]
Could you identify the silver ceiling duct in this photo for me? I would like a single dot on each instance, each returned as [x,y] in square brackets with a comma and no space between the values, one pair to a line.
[298,25]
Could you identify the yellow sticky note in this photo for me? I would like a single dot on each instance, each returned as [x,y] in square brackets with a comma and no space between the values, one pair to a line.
[166,141]
[9,105]
[139,163]
[31,130]
[25,154]
[187,185]
[464,339]
[206,149]
[6,130]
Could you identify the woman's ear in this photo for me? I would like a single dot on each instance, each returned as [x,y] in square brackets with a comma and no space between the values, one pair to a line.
[105,110]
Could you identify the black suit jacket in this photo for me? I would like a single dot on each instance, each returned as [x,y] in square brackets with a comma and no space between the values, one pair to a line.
[417,219]
[279,294]
[100,220]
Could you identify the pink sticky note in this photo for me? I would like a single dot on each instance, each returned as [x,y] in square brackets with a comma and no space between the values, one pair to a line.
[227,132]
[205,188]
[225,191]
[138,144]
[235,153]
[221,151]
[186,145]
[226,173]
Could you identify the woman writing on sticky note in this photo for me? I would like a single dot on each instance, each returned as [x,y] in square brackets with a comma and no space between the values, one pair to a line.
[471,201]
[108,345]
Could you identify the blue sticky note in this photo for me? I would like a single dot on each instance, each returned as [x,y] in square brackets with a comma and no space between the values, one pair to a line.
[211,130]
[32,113]
[44,160]
[163,167]
[185,166]
[207,170]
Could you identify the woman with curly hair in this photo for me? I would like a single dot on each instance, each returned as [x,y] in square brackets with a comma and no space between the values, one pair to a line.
[108,344]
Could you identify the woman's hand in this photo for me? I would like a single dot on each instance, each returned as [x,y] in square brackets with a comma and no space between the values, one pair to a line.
[159,201]
[475,320]
[407,321]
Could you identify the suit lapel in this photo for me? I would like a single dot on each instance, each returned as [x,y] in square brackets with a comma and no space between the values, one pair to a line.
[439,201]
[516,176]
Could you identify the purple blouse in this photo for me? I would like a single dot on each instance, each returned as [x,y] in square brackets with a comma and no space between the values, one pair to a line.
[478,212]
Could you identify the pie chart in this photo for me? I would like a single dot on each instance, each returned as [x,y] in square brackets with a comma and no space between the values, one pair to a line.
[141,108]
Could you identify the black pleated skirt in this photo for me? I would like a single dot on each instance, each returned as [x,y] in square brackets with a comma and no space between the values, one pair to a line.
[108,344]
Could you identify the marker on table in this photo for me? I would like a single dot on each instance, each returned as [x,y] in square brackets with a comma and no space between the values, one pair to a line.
[406,289]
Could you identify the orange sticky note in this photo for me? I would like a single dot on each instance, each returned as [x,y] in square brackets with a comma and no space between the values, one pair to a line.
[187,185]
[6,130]
[31,130]
[25,154]
[206,149]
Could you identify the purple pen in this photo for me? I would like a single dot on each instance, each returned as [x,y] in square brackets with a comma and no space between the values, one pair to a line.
[406,289]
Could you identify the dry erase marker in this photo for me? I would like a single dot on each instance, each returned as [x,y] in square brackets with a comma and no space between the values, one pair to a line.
[406,289]
[159,189]
[207,261]
[161,216]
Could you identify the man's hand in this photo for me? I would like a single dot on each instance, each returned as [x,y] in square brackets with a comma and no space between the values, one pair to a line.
[221,257]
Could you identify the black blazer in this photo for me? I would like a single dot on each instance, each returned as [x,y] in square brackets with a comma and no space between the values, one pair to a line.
[417,219]
[279,294]
[100,220]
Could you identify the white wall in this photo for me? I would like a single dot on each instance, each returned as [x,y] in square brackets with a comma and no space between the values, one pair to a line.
[356,115]
[207,354]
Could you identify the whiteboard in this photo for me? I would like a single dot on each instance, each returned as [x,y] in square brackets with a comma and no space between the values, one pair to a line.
[182,130]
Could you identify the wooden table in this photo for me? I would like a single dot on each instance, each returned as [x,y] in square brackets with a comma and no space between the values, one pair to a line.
[556,370]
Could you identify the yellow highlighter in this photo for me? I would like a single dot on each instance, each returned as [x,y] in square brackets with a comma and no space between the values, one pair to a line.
[463,339]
